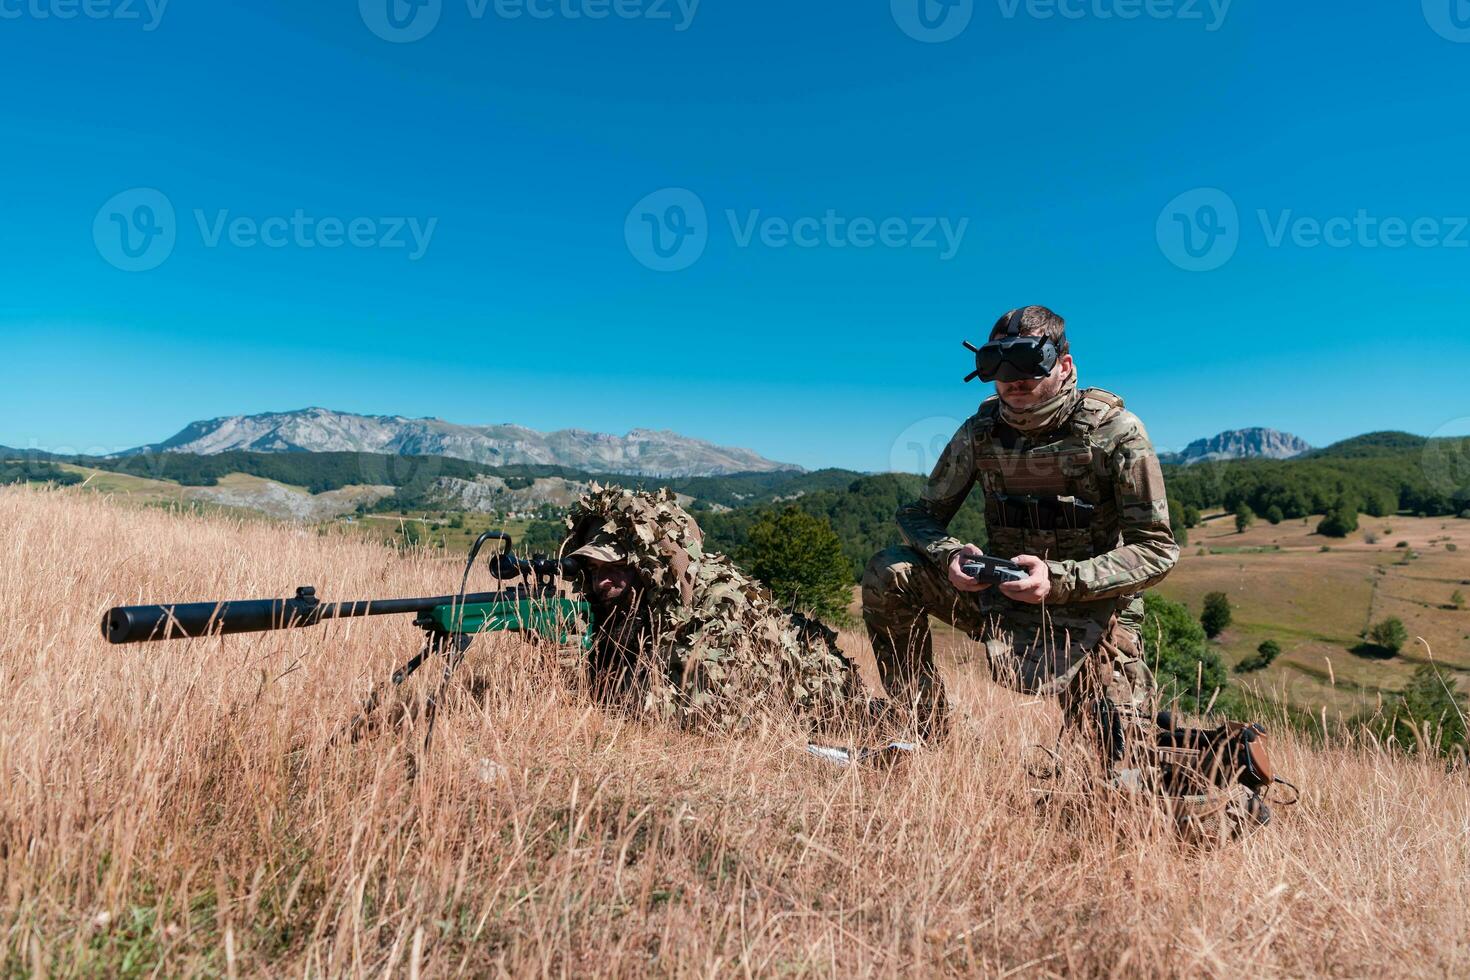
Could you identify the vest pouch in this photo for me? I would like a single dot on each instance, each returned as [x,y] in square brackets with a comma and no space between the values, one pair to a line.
[1074,545]
[1005,542]
[1042,544]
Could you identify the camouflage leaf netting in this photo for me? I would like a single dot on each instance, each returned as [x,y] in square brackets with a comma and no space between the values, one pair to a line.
[723,652]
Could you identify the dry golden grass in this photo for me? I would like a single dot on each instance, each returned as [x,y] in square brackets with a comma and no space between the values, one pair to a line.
[174,809]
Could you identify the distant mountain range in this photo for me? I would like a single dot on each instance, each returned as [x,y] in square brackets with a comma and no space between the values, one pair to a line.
[1240,444]
[642,452]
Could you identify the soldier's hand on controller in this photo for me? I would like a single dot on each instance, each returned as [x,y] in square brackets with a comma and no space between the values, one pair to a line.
[1035,587]
[957,576]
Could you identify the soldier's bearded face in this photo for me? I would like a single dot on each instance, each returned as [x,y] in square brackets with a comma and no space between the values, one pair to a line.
[1030,393]
[611,583]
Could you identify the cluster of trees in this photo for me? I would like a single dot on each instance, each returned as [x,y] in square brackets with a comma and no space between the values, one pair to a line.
[32,471]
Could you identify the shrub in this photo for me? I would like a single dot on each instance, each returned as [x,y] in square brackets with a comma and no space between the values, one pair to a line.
[1428,716]
[1402,544]
[1370,538]
[1451,546]
[1187,669]
[1458,599]
[1275,515]
[1325,547]
[1216,615]
[1390,634]
[799,558]
[1265,654]
[1339,523]
[1191,516]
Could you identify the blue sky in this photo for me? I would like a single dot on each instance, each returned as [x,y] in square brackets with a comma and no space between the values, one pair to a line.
[1313,155]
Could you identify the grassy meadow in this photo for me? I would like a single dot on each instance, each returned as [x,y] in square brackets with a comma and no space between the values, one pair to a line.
[177,810]
[1316,604]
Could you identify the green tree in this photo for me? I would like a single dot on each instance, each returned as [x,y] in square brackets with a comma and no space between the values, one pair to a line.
[799,557]
[1244,518]
[1187,669]
[1339,522]
[1390,634]
[1216,615]
[1275,514]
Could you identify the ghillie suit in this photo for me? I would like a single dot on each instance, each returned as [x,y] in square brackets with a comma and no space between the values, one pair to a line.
[716,652]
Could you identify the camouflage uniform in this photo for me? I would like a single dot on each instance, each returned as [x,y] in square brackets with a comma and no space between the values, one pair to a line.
[715,651]
[1087,495]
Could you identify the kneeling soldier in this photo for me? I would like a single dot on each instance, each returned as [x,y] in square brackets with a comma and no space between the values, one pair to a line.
[1074,493]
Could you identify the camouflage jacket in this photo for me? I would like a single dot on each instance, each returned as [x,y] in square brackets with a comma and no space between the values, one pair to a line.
[722,653]
[1087,496]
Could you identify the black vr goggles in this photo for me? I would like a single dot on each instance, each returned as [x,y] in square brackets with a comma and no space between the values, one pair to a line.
[1013,357]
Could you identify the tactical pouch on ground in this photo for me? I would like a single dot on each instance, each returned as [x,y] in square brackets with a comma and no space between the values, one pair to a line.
[1193,759]
[1219,777]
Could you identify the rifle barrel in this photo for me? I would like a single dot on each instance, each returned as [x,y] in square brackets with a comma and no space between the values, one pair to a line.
[139,624]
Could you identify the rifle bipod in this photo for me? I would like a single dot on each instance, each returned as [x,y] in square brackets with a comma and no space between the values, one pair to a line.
[437,642]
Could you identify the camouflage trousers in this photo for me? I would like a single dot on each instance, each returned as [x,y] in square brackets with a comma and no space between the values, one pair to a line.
[1094,668]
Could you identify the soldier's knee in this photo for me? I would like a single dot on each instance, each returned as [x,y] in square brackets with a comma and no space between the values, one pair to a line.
[888,572]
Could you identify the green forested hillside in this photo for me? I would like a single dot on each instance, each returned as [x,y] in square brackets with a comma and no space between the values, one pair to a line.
[1379,474]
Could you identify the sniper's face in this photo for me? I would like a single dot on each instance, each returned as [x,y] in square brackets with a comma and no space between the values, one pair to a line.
[1026,394]
[611,582]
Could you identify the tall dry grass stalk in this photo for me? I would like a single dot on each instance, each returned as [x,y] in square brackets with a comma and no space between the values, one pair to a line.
[175,809]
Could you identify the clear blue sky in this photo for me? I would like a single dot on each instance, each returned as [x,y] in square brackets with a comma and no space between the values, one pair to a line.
[1059,135]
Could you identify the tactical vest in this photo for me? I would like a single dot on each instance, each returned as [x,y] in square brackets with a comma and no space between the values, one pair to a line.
[1051,497]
